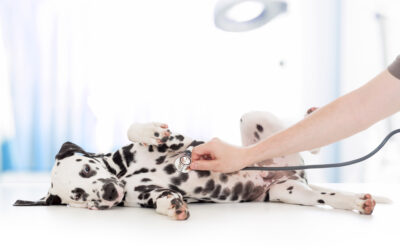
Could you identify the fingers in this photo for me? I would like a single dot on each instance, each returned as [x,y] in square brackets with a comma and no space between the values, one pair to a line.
[199,151]
[204,156]
[204,165]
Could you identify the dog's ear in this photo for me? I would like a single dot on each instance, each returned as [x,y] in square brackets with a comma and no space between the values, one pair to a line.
[49,200]
[68,149]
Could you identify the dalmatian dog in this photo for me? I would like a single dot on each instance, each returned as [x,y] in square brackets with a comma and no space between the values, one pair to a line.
[143,174]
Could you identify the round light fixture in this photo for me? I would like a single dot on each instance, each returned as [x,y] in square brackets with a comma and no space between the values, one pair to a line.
[244,15]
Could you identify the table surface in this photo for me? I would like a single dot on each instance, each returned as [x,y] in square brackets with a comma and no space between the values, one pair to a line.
[227,226]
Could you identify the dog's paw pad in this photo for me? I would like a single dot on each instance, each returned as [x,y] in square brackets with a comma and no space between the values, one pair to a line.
[182,214]
[179,210]
[366,204]
[310,110]
[161,133]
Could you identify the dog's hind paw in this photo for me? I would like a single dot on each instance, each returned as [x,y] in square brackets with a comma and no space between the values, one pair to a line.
[366,204]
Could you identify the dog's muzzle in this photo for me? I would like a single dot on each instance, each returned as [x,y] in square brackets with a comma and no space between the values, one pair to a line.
[110,192]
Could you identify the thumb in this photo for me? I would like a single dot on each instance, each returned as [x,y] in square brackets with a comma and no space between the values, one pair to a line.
[204,165]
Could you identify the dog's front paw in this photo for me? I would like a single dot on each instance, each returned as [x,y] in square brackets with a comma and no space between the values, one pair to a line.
[173,206]
[179,210]
[153,133]
[365,204]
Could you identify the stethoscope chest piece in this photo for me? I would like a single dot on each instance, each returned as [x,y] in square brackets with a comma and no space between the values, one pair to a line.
[182,163]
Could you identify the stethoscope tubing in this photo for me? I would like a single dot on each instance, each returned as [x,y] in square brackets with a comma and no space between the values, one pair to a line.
[331,165]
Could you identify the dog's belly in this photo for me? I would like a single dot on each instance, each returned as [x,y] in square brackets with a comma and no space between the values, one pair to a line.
[205,186]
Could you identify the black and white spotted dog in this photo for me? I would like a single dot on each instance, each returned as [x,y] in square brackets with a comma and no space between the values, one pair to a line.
[143,174]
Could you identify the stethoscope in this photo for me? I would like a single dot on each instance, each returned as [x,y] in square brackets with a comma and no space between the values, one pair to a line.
[182,163]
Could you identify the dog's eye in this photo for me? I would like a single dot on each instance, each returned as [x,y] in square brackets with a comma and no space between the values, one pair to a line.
[87,169]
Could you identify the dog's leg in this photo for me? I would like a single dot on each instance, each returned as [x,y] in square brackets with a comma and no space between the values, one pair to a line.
[165,201]
[158,134]
[152,133]
[378,199]
[295,192]
[258,125]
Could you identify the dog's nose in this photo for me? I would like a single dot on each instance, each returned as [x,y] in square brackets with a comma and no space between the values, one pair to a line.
[110,192]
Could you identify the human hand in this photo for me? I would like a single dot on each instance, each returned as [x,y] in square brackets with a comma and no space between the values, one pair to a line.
[218,156]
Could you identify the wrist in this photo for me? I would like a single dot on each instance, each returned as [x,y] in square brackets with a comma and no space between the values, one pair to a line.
[248,156]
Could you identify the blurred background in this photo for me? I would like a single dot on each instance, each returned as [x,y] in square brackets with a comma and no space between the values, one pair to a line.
[83,71]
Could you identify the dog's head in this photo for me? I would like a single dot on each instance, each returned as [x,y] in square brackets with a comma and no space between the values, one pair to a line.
[80,179]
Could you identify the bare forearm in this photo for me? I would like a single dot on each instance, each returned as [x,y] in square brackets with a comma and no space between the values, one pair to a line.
[341,118]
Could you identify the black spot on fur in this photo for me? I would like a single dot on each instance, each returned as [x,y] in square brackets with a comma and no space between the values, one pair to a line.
[223,178]
[332,193]
[53,200]
[153,170]
[140,171]
[162,148]
[203,173]
[257,135]
[176,181]
[145,188]
[170,169]
[78,159]
[237,189]
[226,192]
[160,159]
[79,194]
[280,182]
[151,148]
[222,197]
[321,201]
[248,189]
[58,163]
[156,134]
[92,161]
[323,193]
[151,204]
[128,155]
[145,180]
[184,177]
[259,128]
[176,146]
[197,190]
[175,188]
[289,188]
[216,191]
[209,186]
[117,159]
[180,137]
[109,168]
